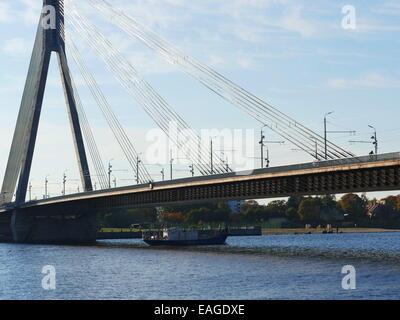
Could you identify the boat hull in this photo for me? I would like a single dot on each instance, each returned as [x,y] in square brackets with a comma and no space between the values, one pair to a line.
[217,240]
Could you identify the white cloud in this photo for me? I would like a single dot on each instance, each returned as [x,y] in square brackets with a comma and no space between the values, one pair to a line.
[17,46]
[293,21]
[31,12]
[28,11]
[389,8]
[5,12]
[369,80]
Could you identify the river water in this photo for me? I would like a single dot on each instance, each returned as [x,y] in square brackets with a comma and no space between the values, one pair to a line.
[268,267]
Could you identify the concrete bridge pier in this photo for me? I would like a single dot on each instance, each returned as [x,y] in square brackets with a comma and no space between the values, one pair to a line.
[5,227]
[34,228]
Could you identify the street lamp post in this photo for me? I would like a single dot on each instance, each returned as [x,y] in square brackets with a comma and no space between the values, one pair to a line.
[162,174]
[171,160]
[211,156]
[64,182]
[325,135]
[109,173]
[375,139]
[263,143]
[46,182]
[267,159]
[137,169]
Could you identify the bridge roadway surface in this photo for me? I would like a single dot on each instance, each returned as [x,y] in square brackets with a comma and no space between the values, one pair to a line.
[360,174]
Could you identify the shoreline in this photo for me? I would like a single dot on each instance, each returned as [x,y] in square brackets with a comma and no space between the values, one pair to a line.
[266,232]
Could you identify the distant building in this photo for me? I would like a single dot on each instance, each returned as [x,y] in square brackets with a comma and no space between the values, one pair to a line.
[373,209]
[251,202]
[380,210]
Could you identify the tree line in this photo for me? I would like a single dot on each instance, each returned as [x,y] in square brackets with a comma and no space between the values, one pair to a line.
[295,211]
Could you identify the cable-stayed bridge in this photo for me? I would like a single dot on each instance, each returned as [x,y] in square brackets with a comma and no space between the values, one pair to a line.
[73,217]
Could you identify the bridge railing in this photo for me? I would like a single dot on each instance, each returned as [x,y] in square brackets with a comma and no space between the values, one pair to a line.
[288,168]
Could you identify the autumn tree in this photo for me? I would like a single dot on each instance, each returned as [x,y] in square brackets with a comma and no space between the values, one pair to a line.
[353,205]
[277,207]
[310,209]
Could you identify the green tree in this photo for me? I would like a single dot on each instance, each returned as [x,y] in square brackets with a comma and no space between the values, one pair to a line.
[352,205]
[310,209]
[277,208]
[391,201]
[195,216]
[294,202]
[292,207]
[222,212]
[398,203]
[173,217]
[291,213]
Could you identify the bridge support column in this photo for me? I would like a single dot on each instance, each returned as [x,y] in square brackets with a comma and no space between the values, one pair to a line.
[33,228]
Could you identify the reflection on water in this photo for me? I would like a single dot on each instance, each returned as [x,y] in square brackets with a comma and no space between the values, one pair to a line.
[269,267]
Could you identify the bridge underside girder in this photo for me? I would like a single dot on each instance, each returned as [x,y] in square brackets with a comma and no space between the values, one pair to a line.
[75,219]
[362,180]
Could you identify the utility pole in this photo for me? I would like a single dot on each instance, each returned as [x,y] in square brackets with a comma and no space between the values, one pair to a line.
[46,182]
[162,174]
[171,160]
[64,181]
[352,132]
[30,191]
[325,135]
[115,182]
[137,169]
[211,155]
[109,173]
[191,167]
[267,159]
[263,143]
[375,139]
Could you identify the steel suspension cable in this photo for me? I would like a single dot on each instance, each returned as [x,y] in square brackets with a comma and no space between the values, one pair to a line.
[140,80]
[120,135]
[171,54]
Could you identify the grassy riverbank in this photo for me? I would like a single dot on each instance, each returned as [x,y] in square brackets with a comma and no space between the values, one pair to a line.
[284,230]
[316,231]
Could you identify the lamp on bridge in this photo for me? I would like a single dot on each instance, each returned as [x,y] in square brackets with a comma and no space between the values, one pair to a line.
[374,141]
[109,172]
[325,134]
[374,138]
[263,143]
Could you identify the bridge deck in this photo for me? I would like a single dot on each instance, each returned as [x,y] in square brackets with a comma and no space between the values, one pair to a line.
[342,165]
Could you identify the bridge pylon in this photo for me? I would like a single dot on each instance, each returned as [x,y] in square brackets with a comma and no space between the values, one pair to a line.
[49,39]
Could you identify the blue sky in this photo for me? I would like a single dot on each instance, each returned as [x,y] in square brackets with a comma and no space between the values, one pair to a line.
[293,54]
